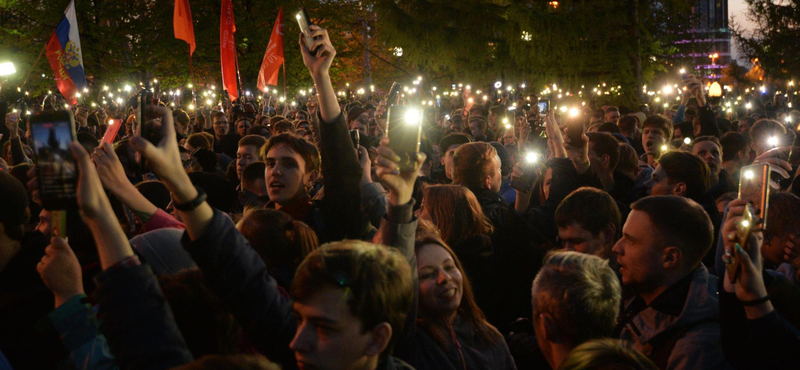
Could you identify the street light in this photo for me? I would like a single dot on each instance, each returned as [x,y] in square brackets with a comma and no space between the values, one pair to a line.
[713,58]
[7,68]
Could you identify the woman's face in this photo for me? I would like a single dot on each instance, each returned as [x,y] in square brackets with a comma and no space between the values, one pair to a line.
[440,281]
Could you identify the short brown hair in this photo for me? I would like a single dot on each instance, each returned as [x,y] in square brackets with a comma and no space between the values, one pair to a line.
[284,125]
[679,222]
[712,139]
[606,353]
[307,151]
[472,162]
[603,208]
[216,115]
[252,140]
[604,143]
[628,161]
[766,127]
[689,169]
[198,140]
[456,212]
[376,281]
[659,122]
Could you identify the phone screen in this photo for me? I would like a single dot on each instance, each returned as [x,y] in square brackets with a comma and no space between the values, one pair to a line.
[754,188]
[305,27]
[56,169]
[404,127]
[544,107]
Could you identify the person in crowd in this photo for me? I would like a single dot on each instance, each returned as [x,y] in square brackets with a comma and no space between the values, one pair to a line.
[283,243]
[249,146]
[222,134]
[253,188]
[754,333]
[766,134]
[673,317]
[243,124]
[478,128]
[744,125]
[283,126]
[576,299]
[656,134]
[709,149]
[448,146]
[735,152]
[611,114]
[593,232]
[606,354]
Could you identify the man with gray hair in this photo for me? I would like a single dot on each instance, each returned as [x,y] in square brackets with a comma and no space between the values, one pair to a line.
[576,298]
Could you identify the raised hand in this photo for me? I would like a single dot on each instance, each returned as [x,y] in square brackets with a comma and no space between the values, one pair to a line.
[318,63]
[60,271]
[400,184]
[81,116]
[12,123]
[109,168]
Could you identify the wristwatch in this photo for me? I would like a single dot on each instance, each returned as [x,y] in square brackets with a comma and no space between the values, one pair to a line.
[192,204]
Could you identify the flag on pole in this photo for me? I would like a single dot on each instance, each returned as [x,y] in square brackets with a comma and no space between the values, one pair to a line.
[273,58]
[227,49]
[182,24]
[64,53]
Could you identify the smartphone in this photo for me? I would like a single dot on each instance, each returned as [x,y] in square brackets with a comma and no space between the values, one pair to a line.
[531,165]
[404,128]
[743,230]
[56,168]
[544,107]
[111,132]
[754,188]
[794,153]
[150,129]
[355,137]
[305,27]
[575,132]
[391,99]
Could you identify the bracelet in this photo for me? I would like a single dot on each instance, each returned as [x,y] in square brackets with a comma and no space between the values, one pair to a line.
[755,302]
[192,204]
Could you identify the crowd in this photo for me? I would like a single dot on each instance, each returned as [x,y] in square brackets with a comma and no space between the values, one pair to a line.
[248,239]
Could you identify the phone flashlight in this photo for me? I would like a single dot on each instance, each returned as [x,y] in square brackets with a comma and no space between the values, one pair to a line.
[498,84]
[664,148]
[683,71]
[413,116]
[773,141]
[687,140]
[574,112]
[749,175]
[531,157]
[447,116]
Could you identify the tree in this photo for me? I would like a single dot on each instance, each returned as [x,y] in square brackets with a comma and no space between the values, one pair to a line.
[773,42]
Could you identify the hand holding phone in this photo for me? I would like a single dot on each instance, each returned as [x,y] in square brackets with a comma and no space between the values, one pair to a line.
[111,132]
[527,172]
[404,128]
[305,27]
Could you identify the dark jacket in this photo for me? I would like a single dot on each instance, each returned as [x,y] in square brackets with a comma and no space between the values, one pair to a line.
[24,300]
[414,344]
[708,121]
[680,328]
[764,343]
[137,320]
[338,214]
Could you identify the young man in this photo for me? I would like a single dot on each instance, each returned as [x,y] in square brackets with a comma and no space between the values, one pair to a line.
[253,188]
[247,152]
[448,146]
[575,299]
[611,114]
[592,232]
[656,133]
[735,152]
[673,317]
[709,149]
[765,135]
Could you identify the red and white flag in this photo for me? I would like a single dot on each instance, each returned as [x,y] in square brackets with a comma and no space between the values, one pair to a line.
[273,58]
[227,49]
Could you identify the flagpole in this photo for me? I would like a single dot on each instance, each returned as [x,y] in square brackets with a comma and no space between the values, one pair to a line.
[25,80]
[191,76]
[284,80]
[238,76]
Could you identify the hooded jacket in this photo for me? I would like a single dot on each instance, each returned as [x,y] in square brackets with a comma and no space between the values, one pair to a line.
[685,317]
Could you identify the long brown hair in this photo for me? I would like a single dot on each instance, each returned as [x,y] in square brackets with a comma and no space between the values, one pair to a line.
[468,309]
[456,213]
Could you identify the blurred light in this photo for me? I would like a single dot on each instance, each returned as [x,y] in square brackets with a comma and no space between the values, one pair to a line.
[745,223]
[749,174]
[191,106]
[574,112]
[772,141]
[531,157]
[687,140]
[413,116]
[667,90]
[664,148]
[498,84]
[7,68]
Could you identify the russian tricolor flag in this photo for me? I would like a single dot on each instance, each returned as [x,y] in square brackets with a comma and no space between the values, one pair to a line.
[65,56]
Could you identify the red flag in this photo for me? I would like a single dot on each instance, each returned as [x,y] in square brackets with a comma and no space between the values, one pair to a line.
[182,24]
[273,58]
[227,49]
